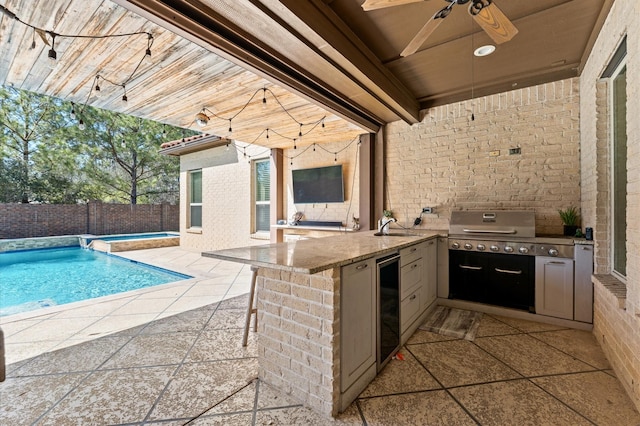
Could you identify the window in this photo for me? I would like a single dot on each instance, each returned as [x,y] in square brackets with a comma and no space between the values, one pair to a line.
[261,195]
[195,199]
[619,169]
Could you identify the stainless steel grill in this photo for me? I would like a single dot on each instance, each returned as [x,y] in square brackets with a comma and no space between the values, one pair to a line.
[506,232]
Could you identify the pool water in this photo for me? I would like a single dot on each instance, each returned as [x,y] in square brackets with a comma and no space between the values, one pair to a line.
[38,278]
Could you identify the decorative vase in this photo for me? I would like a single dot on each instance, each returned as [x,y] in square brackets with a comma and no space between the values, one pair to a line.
[570,230]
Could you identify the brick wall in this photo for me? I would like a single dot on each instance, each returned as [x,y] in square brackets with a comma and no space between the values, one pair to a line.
[42,220]
[446,160]
[298,326]
[227,188]
[321,157]
[616,317]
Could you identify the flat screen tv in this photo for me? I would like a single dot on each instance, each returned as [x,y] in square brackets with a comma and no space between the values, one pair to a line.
[318,185]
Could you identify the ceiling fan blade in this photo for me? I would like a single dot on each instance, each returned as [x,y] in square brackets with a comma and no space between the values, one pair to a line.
[494,22]
[380,4]
[422,35]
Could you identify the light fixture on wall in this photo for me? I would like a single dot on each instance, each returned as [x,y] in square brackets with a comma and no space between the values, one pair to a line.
[202,119]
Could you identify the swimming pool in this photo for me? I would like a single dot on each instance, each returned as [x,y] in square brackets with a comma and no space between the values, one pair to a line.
[34,279]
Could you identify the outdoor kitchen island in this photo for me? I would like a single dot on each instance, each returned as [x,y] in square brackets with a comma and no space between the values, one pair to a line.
[317,309]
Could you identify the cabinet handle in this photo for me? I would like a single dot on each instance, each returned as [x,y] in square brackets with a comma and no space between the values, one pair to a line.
[412,297]
[431,243]
[366,265]
[414,266]
[554,263]
[413,249]
[474,268]
[507,271]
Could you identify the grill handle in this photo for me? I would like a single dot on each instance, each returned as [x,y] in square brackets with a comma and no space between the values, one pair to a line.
[507,271]
[473,268]
[490,231]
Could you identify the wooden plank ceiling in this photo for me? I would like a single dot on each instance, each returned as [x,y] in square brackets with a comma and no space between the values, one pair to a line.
[348,59]
[171,86]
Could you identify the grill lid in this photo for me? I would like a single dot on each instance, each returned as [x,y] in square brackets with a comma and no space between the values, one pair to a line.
[500,223]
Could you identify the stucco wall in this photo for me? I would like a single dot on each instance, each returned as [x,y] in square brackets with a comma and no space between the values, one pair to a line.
[446,160]
[616,327]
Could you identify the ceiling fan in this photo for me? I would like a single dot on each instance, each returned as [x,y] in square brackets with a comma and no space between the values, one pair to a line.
[484,12]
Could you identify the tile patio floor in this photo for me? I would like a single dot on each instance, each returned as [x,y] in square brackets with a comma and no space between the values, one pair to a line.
[187,366]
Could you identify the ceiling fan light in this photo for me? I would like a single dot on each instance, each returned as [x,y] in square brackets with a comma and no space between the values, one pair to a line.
[485,50]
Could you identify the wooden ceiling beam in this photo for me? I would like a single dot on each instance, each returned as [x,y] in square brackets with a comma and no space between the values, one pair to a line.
[347,52]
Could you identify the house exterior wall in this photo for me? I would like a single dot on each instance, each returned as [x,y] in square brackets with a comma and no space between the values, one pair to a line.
[446,161]
[616,319]
[344,153]
[226,198]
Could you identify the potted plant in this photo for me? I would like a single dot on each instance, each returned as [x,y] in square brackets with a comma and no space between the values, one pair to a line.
[570,218]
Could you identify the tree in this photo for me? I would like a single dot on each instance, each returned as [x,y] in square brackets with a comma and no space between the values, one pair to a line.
[125,160]
[47,158]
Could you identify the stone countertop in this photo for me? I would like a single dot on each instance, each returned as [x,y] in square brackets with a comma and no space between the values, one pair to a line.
[319,254]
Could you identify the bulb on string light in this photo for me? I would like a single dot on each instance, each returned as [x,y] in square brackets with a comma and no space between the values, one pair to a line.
[149,41]
[164,130]
[124,96]
[294,144]
[33,40]
[73,111]
[335,157]
[227,148]
[267,133]
[52,55]
[97,88]
[81,124]
[123,144]
[314,147]
[230,132]
[264,98]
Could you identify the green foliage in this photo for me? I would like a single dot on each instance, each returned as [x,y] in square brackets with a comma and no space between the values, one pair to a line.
[569,216]
[47,158]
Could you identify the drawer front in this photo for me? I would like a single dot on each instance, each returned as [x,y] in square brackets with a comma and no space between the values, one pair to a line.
[410,278]
[411,254]
[409,310]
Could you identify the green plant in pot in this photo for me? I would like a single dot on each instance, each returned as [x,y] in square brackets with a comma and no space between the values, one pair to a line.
[570,219]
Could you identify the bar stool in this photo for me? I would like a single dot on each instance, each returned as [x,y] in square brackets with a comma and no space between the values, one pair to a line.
[250,308]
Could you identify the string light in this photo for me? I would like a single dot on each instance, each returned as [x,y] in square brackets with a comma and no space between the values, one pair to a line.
[53,55]
[204,116]
[73,111]
[97,88]
[81,124]
[264,98]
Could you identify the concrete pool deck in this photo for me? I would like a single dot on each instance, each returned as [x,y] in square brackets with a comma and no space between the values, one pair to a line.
[172,355]
[32,333]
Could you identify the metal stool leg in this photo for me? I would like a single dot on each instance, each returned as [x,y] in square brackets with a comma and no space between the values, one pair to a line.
[250,308]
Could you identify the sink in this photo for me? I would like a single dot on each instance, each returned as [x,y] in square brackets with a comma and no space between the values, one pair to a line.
[396,234]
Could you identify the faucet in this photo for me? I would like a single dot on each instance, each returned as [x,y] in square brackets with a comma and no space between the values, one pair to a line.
[382,230]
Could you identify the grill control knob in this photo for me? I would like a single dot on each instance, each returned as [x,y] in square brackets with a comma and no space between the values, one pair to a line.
[494,248]
[523,250]
[455,246]
[553,252]
[468,246]
[480,247]
[508,249]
